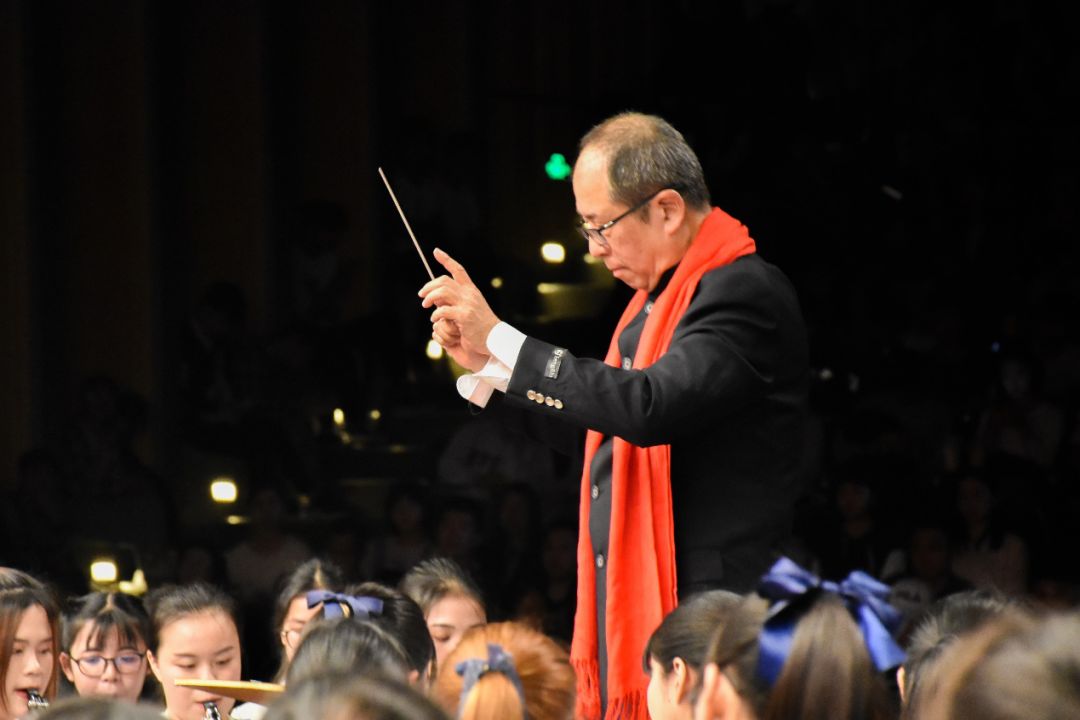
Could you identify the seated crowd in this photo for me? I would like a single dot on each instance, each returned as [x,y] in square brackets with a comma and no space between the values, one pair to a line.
[800,647]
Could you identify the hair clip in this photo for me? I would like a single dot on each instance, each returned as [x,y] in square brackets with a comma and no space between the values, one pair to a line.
[334,604]
[865,598]
[498,660]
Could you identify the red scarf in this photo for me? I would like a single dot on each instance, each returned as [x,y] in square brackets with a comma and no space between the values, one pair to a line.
[641,587]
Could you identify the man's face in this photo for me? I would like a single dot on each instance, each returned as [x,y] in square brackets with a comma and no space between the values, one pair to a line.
[631,255]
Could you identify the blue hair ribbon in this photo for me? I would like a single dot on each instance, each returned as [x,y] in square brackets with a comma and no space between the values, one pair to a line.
[334,604]
[498,660]
[865,598]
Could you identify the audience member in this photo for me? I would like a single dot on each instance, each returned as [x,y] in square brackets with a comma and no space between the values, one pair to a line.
[406,541]
[256,565]
[988,555]
[549,599]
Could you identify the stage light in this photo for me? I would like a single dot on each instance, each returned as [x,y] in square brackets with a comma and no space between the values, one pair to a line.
[103,571]
[375,414]
[434,350]
[496,282]
[557,168]
[136,586]
[553,252]
[223,490]
[339,417]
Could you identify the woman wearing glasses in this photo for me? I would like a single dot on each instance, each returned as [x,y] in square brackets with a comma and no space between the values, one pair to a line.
[104,641]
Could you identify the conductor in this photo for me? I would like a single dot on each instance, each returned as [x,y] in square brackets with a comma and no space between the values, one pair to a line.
[695,418]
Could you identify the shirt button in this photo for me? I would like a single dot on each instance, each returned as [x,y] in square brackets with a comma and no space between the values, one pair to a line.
[595,491]
[599,561]
[626,363]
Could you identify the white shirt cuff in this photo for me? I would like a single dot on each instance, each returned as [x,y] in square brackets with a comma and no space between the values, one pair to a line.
[504,343]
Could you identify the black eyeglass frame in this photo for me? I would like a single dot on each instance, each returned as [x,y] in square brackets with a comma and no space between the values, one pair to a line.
[596,234]
[132,671]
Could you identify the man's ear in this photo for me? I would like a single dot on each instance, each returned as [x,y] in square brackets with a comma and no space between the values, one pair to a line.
[672,208]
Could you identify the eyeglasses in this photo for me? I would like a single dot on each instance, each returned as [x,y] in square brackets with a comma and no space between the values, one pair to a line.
[95,665]
[596,234]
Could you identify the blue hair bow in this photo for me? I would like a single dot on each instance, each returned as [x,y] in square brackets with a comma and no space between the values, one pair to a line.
[498,660]
[866,599]
[361,607]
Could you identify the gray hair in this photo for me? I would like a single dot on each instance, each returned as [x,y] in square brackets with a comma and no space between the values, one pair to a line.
[645,155]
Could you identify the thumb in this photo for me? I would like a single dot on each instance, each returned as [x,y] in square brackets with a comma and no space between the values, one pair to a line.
[453,266]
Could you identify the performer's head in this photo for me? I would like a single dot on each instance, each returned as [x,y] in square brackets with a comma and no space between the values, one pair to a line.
[449,598]
[1015,666]
[676,651]
[641,194]
[29,640]
[827,671]
[507,671]
[291,612]
[105,640]
[194,636]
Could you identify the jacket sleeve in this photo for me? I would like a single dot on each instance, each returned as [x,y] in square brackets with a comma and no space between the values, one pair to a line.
[722,357]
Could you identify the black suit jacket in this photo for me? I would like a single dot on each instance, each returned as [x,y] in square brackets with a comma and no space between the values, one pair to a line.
[729,396]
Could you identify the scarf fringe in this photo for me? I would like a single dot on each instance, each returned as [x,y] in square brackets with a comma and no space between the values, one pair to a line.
[587,704]
[628,707]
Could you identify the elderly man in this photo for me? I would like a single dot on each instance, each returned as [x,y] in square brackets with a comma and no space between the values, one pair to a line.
[694,420]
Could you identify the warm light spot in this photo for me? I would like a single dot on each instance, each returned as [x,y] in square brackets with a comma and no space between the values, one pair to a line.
[137,585]
[223,490]
[236,520]
[103,571]
[339,417]
[553,252]
[375,414]
[434,350]
[496,282]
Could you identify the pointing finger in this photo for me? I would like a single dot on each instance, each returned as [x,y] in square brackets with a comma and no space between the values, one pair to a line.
[455,268]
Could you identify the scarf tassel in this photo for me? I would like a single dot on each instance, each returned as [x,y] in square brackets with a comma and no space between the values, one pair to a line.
[587,706]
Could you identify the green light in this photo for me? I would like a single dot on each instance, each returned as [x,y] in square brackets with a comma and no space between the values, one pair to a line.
[556,167]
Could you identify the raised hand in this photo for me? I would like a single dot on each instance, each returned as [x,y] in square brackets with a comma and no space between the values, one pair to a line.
[457,300]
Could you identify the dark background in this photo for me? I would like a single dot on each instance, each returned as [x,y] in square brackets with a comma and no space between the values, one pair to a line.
[911,165]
